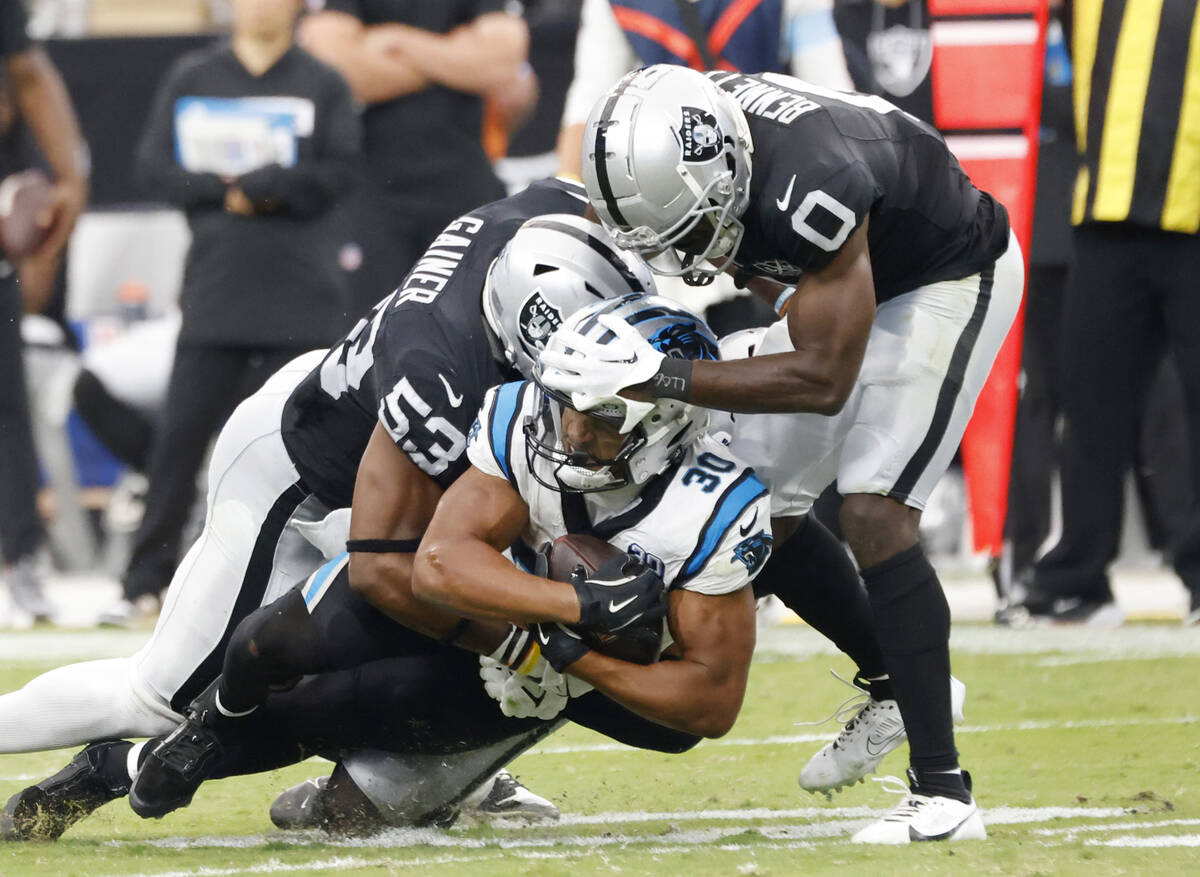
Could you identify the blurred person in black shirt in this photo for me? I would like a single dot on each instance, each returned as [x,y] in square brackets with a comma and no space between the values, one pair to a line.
[42,102]
[422,69]
[254,139]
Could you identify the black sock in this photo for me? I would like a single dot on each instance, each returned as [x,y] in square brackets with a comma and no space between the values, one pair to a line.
[815,578]
[913,623]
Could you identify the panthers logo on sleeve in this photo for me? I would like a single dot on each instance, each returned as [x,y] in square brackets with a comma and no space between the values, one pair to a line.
[754,551]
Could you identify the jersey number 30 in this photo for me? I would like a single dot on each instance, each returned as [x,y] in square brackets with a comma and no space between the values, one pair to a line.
[433,443]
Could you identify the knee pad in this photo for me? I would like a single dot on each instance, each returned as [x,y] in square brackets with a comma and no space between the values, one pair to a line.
[276,639]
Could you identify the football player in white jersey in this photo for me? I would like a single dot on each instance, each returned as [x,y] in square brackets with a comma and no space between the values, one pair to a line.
[903,280]
[647,479]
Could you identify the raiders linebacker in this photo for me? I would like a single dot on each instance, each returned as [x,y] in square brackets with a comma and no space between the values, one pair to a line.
[643,477]
[905,279]
[364,410]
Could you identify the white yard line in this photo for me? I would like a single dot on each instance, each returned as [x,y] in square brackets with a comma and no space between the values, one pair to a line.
[818,738]
[782,836]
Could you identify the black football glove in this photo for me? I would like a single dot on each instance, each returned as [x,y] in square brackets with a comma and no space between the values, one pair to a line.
[560,646]
[623,591]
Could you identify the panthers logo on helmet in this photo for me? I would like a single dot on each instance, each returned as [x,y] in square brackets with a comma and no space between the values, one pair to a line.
[754,551]
[683,341]
[538,319]
[700,135]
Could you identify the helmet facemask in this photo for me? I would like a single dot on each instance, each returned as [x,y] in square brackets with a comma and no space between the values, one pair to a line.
[652,445]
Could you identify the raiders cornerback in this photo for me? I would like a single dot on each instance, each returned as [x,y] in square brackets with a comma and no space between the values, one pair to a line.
[286,457]
[905,279]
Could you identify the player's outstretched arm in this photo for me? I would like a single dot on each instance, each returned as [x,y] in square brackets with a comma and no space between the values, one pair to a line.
[701,691]
[829,321]
[459,564]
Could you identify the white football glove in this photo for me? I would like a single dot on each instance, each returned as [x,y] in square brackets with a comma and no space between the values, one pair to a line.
[562,683]
[595,374]
[520,697]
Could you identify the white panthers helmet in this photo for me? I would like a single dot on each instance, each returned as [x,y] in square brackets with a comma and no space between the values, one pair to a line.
[657,433]
[667,164]
[554,265]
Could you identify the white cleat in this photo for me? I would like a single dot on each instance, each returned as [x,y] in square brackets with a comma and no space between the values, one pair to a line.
[503,799]
[874,730]
[925,818]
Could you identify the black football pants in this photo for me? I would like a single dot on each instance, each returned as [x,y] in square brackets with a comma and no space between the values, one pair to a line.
[21,530]
[1133,294]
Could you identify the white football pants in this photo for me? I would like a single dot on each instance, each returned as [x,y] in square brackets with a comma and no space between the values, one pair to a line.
[247,555]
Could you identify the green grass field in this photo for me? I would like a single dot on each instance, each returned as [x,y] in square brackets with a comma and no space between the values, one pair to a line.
[1085,750]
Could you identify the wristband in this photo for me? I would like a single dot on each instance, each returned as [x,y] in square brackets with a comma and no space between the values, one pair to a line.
[781,303]
[673,379]
[519,652]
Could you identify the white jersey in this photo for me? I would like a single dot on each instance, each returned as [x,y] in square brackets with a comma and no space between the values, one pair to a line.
[704,524]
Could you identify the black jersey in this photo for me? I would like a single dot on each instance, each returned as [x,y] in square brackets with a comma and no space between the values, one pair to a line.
[420,362]
[825,160]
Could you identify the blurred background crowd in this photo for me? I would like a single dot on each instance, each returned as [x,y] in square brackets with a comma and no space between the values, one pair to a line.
[213,247]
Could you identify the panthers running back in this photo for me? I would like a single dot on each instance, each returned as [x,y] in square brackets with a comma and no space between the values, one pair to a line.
[644,477]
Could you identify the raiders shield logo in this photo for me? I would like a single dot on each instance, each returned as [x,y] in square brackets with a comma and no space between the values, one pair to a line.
[538,319]
[699,134]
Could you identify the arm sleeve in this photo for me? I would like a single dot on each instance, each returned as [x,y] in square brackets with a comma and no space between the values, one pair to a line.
[741,550]
[312,186]
[157,169]
[14,36]
[813,44]
[602,56]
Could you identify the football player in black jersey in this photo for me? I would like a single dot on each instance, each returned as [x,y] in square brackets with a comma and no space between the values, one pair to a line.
[398,396]
[898,281]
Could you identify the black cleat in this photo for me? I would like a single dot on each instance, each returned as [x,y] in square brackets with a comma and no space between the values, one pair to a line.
[44,811]
[175,768]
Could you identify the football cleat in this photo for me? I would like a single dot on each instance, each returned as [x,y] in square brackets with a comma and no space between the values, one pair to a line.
[301,806]
[926,818]
[44,811]
[174,769]
[503,798]
[874,730]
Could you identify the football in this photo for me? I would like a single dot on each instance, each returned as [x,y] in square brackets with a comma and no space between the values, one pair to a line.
[22,197]
[639,643]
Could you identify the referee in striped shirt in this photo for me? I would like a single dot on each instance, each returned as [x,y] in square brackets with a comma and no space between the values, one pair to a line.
[1136,284]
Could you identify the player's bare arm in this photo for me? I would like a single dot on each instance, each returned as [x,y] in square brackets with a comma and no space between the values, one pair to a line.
[395,500]
[698,688]
[355,50]
[829,321]
[459,564]
[475,57]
